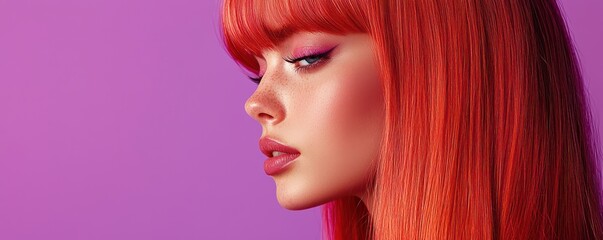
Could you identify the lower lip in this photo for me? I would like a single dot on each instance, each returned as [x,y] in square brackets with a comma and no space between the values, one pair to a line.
[275,165]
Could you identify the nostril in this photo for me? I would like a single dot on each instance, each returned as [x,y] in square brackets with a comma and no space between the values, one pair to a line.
[264,115]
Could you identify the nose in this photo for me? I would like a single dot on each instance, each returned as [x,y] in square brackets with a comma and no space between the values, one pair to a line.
[265,107]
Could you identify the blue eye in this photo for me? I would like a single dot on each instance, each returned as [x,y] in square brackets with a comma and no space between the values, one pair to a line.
[310,62]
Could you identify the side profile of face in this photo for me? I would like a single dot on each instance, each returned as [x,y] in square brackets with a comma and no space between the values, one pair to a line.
[329,106]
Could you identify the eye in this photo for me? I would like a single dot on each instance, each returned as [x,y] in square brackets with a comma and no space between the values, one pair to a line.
[303,63]
[309,61]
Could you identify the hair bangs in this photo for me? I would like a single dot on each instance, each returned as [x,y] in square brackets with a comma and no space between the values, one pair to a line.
[250,26]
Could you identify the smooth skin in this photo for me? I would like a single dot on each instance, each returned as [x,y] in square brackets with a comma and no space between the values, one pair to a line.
[332,113]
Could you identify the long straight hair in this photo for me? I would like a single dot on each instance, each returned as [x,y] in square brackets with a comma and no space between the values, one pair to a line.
[488,129]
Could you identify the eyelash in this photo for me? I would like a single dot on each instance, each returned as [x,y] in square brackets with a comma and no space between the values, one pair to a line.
[321,58]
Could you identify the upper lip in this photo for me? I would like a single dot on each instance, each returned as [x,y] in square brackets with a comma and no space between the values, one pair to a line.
[267,146]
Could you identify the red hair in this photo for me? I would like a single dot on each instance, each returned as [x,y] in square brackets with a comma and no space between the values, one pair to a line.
[488,132]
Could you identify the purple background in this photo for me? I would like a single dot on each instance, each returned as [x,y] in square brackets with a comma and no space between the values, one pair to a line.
[125,120]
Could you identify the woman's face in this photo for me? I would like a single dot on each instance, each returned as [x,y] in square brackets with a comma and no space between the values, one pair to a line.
[329,108]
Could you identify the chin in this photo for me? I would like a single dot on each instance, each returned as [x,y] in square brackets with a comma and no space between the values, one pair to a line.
[298,200]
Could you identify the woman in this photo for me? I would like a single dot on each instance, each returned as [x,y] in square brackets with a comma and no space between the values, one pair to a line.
[422,119]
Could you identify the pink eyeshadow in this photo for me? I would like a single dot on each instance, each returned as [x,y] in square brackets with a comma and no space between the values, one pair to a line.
[310,50]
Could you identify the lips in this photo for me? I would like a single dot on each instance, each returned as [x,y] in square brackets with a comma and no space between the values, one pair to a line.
[277,164]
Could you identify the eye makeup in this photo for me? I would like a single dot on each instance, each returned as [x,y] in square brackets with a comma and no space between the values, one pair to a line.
[309,51]
[313,56]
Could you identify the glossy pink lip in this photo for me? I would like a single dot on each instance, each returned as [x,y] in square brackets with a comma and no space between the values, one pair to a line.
[275,165]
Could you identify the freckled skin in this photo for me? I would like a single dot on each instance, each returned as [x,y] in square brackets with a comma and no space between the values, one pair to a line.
[332,113]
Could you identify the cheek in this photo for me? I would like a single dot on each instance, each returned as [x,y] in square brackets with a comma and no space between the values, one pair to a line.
[349,131]
[357,105]
[356,109]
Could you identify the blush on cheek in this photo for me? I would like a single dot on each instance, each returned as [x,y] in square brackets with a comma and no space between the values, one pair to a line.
[358,106]
[350,130]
